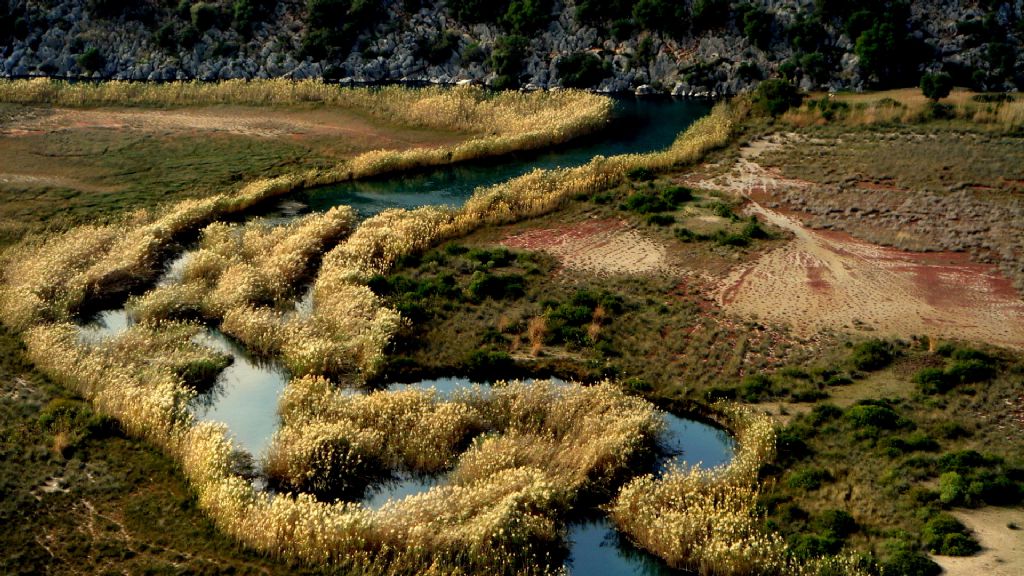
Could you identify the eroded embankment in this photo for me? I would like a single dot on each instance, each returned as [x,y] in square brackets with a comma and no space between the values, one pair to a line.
[827,280]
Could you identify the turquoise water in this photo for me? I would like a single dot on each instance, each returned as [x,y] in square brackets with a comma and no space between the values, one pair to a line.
[639,125]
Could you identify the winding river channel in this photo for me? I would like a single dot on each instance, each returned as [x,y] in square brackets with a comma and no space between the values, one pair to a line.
[246,393]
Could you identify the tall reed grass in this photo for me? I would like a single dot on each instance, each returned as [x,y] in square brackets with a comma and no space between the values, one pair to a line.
[707,520]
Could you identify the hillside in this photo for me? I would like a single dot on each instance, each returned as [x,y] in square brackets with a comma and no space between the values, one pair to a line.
[687,48]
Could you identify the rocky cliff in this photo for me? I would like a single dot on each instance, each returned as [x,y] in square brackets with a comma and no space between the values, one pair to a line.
[693,47]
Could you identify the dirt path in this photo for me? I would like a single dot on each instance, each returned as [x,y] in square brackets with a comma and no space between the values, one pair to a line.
[1002,551]
[603,247]
[830,280]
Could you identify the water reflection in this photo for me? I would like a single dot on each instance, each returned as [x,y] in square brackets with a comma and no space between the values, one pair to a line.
[244,396]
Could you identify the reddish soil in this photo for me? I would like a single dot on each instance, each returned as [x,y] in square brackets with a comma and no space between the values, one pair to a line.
[607,246]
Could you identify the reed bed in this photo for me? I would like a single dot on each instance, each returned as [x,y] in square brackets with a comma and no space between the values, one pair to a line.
[707,520]
[497,514]
[249,265]
[578,436]
[463,108]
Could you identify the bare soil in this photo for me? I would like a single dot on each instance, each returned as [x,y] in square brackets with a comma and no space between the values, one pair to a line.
[826,279]
[602,247]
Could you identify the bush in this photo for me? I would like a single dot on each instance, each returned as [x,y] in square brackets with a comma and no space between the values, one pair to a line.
[473,11]
[909,563]
[807,546]
[661,15]
[526,16]
[808,479]
[677,195]
[757,27]
[872,355]
[933,381]
[582,70]
[945,535]
[91,60]
[647,203]
[507,61]
[661,220]
[874,416]
[204,15]
[497,287]
[775,97]
[640,174]
[936,86]
[970,371]
[489,365]
[835,523]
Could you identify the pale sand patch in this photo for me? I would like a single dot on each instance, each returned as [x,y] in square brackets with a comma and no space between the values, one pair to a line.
[235,120]
[830,280]
[607,246]
[1002,548]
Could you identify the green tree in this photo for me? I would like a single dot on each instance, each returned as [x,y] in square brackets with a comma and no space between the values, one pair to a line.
[936,86]
[507,61]
[526,16]
[91,60]
[775,96]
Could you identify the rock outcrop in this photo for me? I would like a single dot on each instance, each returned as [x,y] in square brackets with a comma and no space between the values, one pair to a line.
[51,39]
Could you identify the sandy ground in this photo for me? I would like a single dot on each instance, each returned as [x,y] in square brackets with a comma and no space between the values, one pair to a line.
[1002,548]
[237,120]
[830,280]
[603,247]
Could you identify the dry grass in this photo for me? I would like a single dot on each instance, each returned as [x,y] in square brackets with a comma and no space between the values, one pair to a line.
[909,106]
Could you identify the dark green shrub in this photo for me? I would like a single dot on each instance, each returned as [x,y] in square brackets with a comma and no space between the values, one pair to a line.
[909,562]
[936,86]
[835,523]
[473,11]
[872,355]
[775,97]
[204,15]
[733,239]
[676,195]
[661,220]
[91,60]
[526,16]
[970,371]
[757,27]
[582,70]
[823,413]
[709,14]
[756,387]
[661,15]
[472,53]
[489,365]
[754,230]
[438,49]
[880,417]
[749,71]
[647,203]
[808,479]
[640,174]
[685,234]
[496,258]
[933,381]
[965,461]
[790,446]
[497,286]
[806,546]
[945,535]
[507,61]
